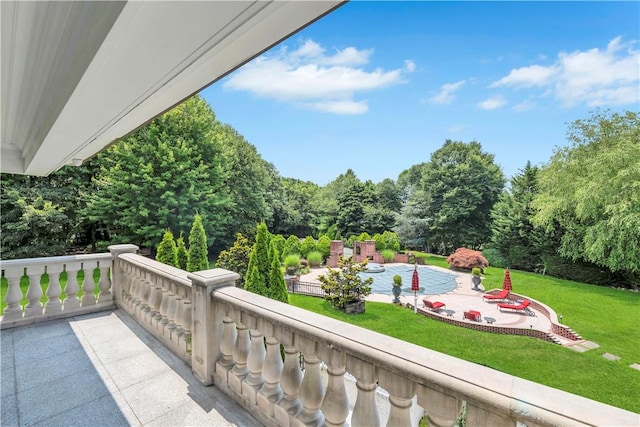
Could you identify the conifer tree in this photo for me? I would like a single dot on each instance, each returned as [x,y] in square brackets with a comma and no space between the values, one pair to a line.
[167,252]
[276,287]
[183,253]
[254,281]
[198,258]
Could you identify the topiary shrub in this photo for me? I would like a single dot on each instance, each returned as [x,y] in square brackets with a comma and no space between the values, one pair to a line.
[198,252]
[167,252]
[397,280]
[466,259]
[183,253]
[307,245]
[344,286]
[388,255]
[314,258]
[291,246]
[324,246]
[236,258]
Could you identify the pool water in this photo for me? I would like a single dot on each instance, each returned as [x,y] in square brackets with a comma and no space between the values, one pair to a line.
[432,281]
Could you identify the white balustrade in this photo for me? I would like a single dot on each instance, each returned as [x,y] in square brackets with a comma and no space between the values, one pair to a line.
[365,410]
[54,307]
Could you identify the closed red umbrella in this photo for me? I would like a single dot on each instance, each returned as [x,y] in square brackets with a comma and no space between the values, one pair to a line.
[415,282]
[506,284]
[415,287]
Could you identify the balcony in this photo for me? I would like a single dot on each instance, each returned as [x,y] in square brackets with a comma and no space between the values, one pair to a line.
[152,344]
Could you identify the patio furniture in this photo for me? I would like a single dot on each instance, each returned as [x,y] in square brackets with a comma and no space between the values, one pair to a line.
[473,315]
[433,305]
[523,306]
[489,320]
[500,296]
[450,313]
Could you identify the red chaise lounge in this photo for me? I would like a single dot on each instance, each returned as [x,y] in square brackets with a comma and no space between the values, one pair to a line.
[523,306]
[433,305]
[500,296]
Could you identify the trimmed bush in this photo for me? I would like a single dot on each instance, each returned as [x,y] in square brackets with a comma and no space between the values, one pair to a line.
[466,259]
[183,253]
[314,258]
[167,252]
[198,252]
[307,245]
[388,255]
[276,287]
[364,236]
[379,242]
[344,285]
[236,258]
[324,246]
[291,246]
[278,242]
[397,280]
[390,241]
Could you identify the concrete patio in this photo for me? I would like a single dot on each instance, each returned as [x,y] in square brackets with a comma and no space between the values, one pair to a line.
[103,369]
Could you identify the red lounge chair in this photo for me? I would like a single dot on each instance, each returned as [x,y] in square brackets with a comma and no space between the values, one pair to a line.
[435,305]
[502,295]
[472,315]
[523,306]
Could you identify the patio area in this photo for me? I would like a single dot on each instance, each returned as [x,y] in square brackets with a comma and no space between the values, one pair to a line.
[104,369]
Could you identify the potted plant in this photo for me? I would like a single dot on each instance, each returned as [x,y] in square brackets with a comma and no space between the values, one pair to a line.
[344,288]
[475,278]
[397,288]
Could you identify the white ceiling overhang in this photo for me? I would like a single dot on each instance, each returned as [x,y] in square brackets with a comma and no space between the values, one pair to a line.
[79,75]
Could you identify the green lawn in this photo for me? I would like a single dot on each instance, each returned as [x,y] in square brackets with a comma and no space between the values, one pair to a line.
[609,317]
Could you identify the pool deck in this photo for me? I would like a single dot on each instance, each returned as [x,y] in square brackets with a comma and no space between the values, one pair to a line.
[463,298]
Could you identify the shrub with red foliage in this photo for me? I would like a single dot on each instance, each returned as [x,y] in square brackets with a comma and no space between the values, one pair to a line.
[466,259]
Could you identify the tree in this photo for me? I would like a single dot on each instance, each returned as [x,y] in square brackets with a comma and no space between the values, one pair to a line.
[592,191]
[292,246]
[259,260]
[344,284]
[236,258]
[461,185]
[198,253]
[160,176]
[298,201]
[513,234]
[167,252]
[276,287]
[413,221]
[182,253]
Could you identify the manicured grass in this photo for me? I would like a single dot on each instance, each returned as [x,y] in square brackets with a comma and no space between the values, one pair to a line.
[606,316]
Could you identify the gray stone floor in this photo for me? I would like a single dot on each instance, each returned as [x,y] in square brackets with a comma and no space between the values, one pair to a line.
[103,369]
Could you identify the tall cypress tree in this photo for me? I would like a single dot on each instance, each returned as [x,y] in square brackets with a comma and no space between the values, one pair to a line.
[198,258]
[276,287]
[183,253]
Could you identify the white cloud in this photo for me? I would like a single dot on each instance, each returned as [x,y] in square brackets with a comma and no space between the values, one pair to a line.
[310,77]
[593,77]
[524,106]
[492,103]
[456,129]
[447,91]
[409,65]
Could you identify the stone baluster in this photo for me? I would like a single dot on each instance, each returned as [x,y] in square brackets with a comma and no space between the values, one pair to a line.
[13,310]
[271,392]
[88,285]
[177,315]
[155,293]
[120,280]
[335,406]
[171,309]
[187,316]
[240,355]
[227,343]
[257,352]
[442,409]
[126,280]
[162,302]
[104,284]
[485,415]
[71,289]
[53,304]
[135,287]
[312,389]
[365,410]
[164,305]
[144,292]
[401,392]
[34,294]
[290,380]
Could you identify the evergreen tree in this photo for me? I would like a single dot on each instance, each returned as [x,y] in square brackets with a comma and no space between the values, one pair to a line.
[292,246]
[324,246]
[260,261]
[198,259]
[307,245]
[276,287]
[254,281]
[167,252]
[236,258]
[183,253]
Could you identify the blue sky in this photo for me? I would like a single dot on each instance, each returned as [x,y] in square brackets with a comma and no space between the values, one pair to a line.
[378,86]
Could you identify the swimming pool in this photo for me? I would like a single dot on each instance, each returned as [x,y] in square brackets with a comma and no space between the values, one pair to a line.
[432,281]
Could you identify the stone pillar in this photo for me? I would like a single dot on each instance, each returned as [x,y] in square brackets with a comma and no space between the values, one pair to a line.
[401,392]
[206,323]
[117,275]
[335,405]
[312,389]
[53,304]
